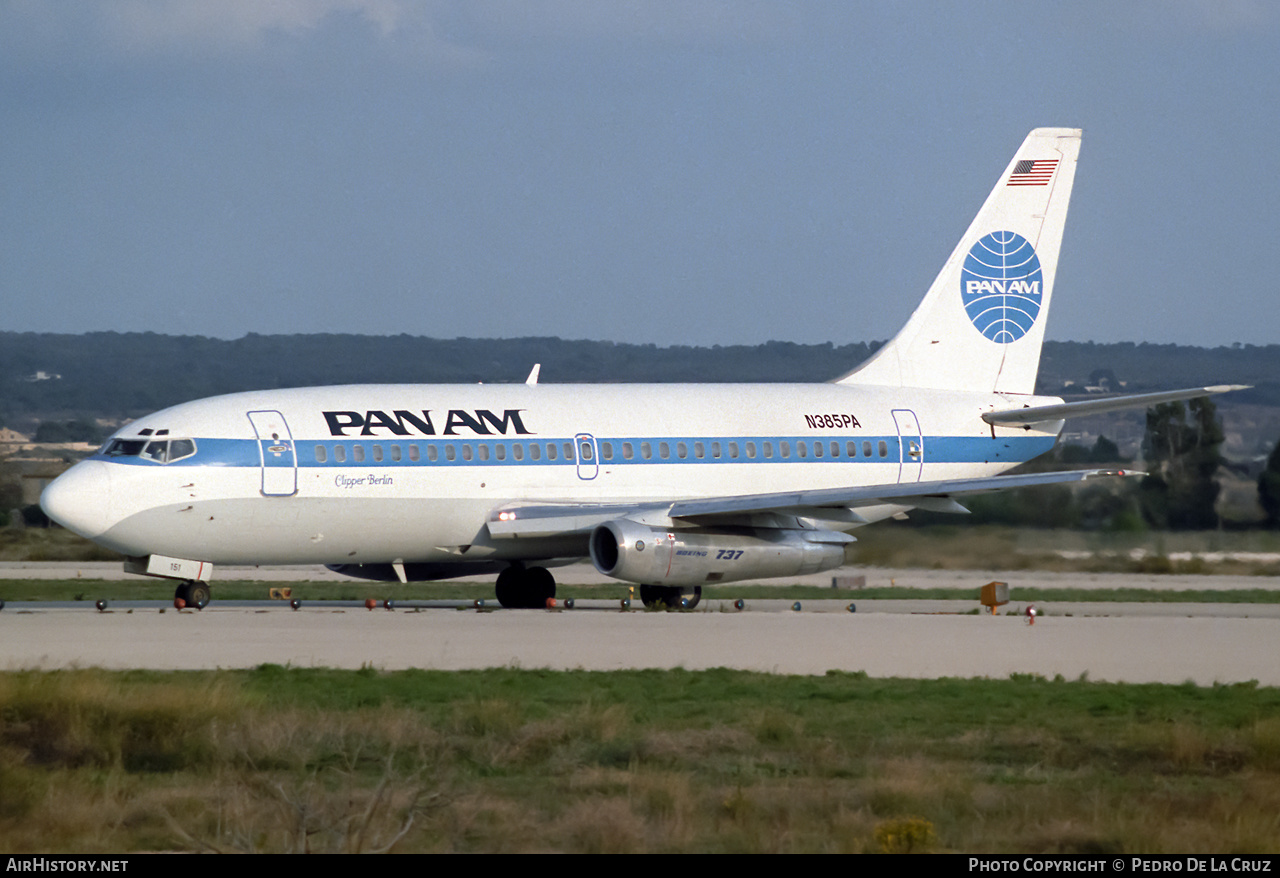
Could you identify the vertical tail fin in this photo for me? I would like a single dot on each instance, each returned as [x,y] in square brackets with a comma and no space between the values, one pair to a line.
[982,322]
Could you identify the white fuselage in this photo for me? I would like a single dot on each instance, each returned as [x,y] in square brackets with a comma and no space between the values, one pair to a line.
[364,474]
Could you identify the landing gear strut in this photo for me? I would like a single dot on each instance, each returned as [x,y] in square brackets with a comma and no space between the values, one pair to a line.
[670,597]
[524,588]
[193,594]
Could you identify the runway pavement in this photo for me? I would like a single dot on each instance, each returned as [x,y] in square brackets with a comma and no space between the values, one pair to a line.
[1169,649]
[1169,643]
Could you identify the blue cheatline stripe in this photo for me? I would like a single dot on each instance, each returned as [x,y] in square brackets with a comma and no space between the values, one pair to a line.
[485,452]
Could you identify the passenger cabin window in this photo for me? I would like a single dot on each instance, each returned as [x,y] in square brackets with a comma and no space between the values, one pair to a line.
[535,451]
[584,450]
[340,453]
[682,450]
[414,453]
[733,450]
[884,448]
[866,447]
[321,454]
[751,450]
[357,453]
[851,449]
[606,451]
[627,451]
[517,451]
[664,450]
[377,453]
[395,452]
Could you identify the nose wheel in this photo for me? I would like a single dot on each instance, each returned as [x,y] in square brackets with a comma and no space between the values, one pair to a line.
[193,594]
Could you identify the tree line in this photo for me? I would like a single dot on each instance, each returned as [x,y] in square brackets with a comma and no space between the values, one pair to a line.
[115,375]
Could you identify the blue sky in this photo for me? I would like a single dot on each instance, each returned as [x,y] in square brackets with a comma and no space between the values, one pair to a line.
[669,172]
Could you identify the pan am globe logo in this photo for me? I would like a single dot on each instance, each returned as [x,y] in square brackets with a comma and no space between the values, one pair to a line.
[1001,286]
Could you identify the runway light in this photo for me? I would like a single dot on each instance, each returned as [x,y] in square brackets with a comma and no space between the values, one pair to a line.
[625,603]
[101,605]
[295,603]
[796,606]
[179,604]
[739,604]
[568,603]
[370,603]
[852,608]
[478,604]
[551,603]
[389,604]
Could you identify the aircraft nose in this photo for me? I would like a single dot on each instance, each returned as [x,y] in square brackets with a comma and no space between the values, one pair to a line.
[80,499]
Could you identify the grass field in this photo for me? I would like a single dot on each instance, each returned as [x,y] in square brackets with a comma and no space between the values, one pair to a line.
[279,759]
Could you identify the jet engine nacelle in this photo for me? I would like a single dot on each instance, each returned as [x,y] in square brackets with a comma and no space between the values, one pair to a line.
[634,552]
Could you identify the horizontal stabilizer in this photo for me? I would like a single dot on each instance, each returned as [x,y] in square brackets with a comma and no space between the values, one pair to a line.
[1041,413]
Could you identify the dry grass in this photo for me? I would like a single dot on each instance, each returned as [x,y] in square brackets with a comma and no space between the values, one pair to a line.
[282,761]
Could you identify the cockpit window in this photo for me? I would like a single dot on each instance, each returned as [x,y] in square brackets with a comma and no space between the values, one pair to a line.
[124,448]
[180,448]
[160,451]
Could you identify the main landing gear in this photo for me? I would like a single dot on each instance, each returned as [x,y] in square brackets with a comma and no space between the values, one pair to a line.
[193,594]
[670,597]
[525,588]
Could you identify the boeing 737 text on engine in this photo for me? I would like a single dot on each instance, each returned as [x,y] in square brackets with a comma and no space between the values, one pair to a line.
[665,486]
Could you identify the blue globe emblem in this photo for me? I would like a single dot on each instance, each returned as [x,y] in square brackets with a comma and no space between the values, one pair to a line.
[1001,286]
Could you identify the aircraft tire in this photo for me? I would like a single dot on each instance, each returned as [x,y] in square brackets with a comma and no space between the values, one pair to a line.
[670,597]
[540,586]
[198,595]
[507,589]
[520,588]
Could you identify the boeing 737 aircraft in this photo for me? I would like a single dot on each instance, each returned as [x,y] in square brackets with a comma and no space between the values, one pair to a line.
[666,486]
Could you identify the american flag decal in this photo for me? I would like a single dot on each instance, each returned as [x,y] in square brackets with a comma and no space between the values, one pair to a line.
[1032,172]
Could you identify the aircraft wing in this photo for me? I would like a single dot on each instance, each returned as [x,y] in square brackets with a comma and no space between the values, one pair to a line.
[565,519]
[1040,413]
